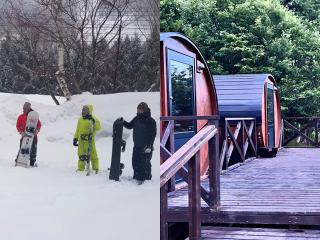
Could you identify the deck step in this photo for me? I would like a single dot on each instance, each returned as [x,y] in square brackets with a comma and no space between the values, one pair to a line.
[238,233]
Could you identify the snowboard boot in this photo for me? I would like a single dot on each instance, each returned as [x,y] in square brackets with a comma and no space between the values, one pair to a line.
[33,162]
[140,182]
[148,177]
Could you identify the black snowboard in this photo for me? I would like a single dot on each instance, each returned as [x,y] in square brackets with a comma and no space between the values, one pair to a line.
[118,146]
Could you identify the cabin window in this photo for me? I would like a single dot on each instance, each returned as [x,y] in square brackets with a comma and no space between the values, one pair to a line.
[181,70]
[270,115]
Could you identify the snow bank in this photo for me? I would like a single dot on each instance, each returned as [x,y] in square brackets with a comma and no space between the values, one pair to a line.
[55,202]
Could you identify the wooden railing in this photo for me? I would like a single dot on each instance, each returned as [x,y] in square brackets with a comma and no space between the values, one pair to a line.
[189,153]
[304,128]
[239,136]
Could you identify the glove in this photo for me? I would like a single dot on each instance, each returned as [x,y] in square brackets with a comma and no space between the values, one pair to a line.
[120,119]
[147,150]
[23,134]
[75,142]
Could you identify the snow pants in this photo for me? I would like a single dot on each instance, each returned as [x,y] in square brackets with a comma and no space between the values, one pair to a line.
[82,150]
[141,164]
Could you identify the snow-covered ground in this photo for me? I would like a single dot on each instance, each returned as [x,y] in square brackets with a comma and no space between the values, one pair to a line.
[53,202]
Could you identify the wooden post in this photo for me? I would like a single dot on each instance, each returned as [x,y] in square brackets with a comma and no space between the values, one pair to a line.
[194,197]
[227,144]
[172,182]
[317,132]
[163,213]
[282,134]
[214,170]
[223,143]
[217,169]
[243,140]
[255,136]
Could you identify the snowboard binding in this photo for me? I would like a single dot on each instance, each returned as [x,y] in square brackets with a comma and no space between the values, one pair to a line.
[25,151]
[123,145]
[121,168]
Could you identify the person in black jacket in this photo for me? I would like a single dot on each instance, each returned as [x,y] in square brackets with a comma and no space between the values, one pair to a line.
[144,133]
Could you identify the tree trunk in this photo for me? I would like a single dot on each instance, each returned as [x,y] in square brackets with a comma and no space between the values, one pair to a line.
[60,73]
[54,98]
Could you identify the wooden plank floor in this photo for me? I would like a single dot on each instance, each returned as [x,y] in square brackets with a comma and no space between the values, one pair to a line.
[227,233]
[281,190]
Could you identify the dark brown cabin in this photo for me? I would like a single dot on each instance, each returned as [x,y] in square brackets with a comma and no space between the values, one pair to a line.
[186,87]
[255,96]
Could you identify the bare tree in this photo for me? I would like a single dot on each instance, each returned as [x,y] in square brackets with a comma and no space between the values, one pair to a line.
[147,19]
[32,42]
[147,16]
[88,25]
[103,50]
[98,22]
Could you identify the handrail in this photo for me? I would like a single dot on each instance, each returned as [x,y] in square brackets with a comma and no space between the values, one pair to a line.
[184,118]
[312,118]
[239,119]
[167,132]
[177,160]
[311,125]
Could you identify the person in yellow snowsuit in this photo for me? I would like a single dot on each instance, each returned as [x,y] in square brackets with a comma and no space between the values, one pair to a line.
[81,136]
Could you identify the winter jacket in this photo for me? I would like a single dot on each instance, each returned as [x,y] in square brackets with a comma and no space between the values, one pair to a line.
[144,129]
[22,122]
[82,132]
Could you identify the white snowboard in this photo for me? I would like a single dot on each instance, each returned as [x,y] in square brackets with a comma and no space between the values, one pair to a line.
[25,149]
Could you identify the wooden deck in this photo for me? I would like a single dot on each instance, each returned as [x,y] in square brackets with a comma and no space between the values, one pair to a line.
[227,233]
[281,190]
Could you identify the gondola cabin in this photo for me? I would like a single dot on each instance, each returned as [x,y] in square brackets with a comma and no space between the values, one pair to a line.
[254,96]
[186,87]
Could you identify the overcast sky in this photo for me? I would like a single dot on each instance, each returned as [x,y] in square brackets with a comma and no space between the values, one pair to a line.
[130,21]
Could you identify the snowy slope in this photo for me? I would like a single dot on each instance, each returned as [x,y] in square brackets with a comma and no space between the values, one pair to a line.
[53,201]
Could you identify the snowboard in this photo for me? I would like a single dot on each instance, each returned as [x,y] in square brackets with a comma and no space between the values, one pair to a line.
[118,146]
[25,148]
[89,148]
